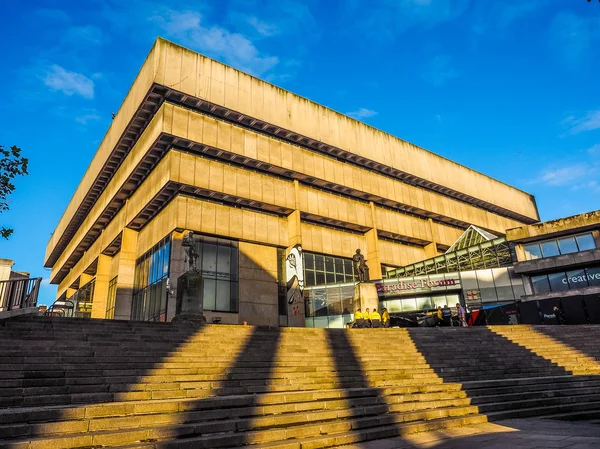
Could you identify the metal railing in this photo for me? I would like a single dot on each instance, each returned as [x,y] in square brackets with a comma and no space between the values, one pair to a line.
[19,293]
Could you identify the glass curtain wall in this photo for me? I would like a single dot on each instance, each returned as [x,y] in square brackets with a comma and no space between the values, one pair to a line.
[329,306]
[218,263]
[150,285]
[490,254]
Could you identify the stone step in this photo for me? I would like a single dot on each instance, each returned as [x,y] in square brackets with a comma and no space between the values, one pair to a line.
[233,432]
[542,411]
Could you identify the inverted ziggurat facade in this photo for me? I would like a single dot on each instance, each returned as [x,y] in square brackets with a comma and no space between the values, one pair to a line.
[256,172]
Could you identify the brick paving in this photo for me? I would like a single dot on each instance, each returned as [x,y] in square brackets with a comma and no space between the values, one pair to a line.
[509,434]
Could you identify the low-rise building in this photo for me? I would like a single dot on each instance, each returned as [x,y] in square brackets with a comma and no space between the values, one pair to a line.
[560,264]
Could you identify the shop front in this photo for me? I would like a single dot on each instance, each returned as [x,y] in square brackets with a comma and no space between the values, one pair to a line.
[488,295]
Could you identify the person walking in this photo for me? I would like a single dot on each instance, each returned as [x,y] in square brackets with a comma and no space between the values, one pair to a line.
[385,318]
[559,315]
[440,316]
[447,315]
[375,318]
[462,315]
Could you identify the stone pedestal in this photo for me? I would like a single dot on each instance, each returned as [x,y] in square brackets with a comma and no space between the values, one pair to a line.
[190,297]
[365,297]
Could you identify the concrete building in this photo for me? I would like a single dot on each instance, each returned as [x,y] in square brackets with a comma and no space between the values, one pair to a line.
[279,191]
[560,264]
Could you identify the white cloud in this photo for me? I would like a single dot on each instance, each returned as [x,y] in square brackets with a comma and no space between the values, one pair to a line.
[70,83]
[594,150]
[263,28]
[89,115]
[232,48]
[440,70]
[564,176]
[362,113]
[587,122]
[590,186]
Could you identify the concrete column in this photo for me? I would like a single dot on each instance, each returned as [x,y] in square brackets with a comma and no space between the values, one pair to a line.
[596,235]
[125,275]
[101,287]
[373,257]
[431,248]
[295,311]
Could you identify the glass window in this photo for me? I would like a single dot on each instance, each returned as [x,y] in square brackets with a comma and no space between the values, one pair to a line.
[329,264]
[567,245]
[585,242]
[593,275]
[533,251]
[409,305]
[550,248]
[558,282]
[540,284]
[150,292]
[223,295]
[439,301]
[210,294]
[322,270]
[577,278]
[112,296]
[209,259]
[424,303]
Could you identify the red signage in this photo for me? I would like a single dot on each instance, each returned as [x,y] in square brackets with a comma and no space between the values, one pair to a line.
[422,283]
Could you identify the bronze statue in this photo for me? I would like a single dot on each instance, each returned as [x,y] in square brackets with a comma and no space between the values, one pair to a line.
[361,270]
[189,245]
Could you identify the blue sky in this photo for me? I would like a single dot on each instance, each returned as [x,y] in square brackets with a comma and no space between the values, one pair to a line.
[510,88]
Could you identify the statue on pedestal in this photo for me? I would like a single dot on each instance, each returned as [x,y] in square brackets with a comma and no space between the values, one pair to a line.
[190,286]
[361,270]
[189,245]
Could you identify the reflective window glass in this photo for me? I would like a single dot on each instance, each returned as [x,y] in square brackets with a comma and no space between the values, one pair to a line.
[209,259]
[533,251]
[309,261]
[223,295]
[558,282]
[210,294]
[550,248]
[329,264]
[585,242]
[149,300]
[439,301]
[577,278]
[567,245]
[540,284]
[409,305]
[593,275]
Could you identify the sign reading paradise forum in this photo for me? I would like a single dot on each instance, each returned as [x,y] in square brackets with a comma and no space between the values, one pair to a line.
[416,286]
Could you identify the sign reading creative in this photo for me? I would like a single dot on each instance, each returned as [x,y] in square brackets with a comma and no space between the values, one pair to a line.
[404,286]
[586,277]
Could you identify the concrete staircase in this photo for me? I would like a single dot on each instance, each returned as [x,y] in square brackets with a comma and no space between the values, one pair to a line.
[69,383]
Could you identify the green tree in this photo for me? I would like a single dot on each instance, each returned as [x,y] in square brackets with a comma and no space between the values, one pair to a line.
[12,164]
